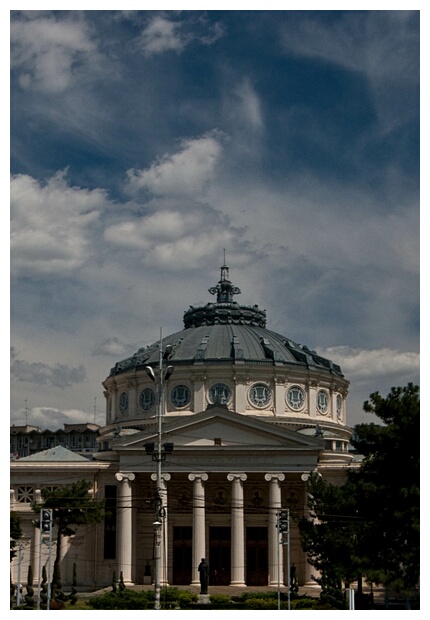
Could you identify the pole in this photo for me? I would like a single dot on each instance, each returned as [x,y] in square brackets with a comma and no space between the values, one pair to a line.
[158,456]
[159,532]
[288,560]
[40,567]
[48,602]
[279,536]
[18,590]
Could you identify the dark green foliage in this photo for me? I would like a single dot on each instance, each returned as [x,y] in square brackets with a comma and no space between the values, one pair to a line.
[57,593]
[262,600]
[121,584]
[261,603]
[333,598]
[12,593]
[44,590]
[221,600]
[171,598]
[72,506]
[175,598]
[73,595]
[331,535]
[29,597]
[15,533]
[294,586]
[306,602]
[369,527]
[389,487]
[114,586]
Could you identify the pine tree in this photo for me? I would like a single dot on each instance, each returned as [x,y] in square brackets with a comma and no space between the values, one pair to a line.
[73,595]
[369,527]
[44,590]
[15,533]
[72,506]
[29,597]
[57,593]
[12,593]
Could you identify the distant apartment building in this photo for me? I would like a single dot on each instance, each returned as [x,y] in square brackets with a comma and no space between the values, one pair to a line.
[27,439]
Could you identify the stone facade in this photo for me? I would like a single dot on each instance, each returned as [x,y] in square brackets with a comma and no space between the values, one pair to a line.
[249,414]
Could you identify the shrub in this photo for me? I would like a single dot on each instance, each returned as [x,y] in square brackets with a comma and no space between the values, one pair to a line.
[306,603]
[261,603]
[122,599]
[220,599]
[170,598]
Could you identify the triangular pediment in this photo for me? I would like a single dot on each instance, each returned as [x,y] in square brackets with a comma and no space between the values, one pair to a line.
[219,426]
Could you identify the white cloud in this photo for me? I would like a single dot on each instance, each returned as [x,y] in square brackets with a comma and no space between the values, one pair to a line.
[50,224]
[186,173]
[172,239]
[113,346]
[50,417]
[161,35]
[49,52]
[375,364]
[246,105]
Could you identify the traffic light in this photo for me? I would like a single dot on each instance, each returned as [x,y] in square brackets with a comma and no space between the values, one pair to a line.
[283,521]
[46,520]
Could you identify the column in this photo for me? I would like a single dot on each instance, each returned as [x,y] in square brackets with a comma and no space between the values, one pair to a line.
[310,571]
[164,581]
[35,552]
[199,530]
[237,529]
[125,523]
[35,540]
[275,548]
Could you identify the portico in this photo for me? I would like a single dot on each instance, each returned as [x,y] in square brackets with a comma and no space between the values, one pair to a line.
[227,516]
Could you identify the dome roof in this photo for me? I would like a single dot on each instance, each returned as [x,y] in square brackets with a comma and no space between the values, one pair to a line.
[225,332]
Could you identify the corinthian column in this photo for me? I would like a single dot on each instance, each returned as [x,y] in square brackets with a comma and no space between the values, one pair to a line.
[237,529]
[125,523]
[275,548]
[198,524]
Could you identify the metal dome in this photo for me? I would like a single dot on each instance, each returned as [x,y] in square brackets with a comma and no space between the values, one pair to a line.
[225,332]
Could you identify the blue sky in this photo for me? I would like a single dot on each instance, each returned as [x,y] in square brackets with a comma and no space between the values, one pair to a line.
[143,143]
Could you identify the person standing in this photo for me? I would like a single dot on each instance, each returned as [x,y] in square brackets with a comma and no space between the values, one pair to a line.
[204,576]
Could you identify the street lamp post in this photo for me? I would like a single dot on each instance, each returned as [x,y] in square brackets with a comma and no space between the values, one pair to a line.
[158,456]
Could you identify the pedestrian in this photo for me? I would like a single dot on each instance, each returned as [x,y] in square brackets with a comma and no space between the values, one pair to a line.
[204,576]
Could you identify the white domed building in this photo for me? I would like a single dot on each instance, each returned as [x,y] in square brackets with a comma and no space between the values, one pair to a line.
[223,421]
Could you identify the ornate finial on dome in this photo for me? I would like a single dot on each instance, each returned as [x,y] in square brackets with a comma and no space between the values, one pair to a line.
[225,310]
[224,290]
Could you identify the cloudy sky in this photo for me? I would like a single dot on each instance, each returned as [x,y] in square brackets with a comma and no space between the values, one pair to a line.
[143,143]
